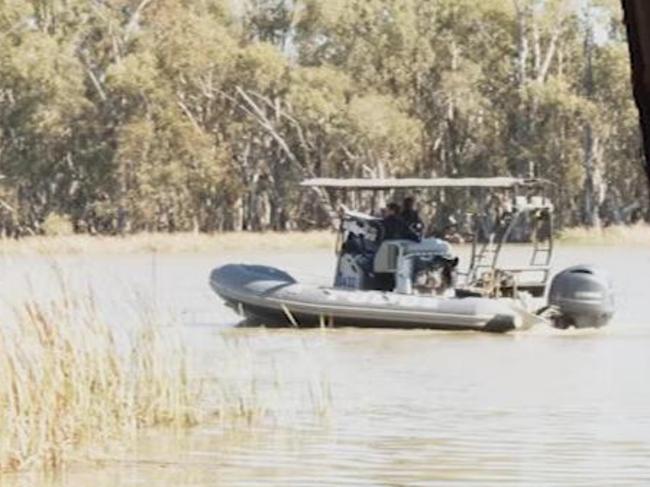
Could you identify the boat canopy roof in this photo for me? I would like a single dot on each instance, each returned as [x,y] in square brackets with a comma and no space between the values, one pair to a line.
[412,183]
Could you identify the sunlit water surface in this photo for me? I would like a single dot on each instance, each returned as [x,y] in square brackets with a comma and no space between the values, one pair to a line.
[364,407]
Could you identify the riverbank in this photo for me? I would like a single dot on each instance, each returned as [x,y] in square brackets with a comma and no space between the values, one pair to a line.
[168,243]
[269,241]
[635,235]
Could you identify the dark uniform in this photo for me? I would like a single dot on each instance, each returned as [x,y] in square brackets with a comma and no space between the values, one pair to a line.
[412,220]
[395,227]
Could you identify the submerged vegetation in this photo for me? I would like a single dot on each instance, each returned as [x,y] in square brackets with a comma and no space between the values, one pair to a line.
[125,116]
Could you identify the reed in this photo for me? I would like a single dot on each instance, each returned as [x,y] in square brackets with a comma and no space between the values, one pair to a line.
[65,381]
[72,384]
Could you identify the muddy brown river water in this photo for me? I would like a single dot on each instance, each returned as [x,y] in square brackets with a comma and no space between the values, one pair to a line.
[390,408]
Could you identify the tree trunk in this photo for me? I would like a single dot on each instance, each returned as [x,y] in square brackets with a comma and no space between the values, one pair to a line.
[594,186]
[591,159]
[522,124]
[637,20]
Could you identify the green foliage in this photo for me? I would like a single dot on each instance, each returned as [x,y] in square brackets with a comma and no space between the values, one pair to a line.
[386,134]
[135,115]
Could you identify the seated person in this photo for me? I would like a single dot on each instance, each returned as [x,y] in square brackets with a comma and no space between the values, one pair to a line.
[411,217]
[395,227]
[451,232]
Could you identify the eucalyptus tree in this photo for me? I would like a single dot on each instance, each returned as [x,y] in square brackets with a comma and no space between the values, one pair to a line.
[129,115]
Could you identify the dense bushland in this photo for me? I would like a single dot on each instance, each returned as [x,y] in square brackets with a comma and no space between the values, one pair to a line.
[119,116]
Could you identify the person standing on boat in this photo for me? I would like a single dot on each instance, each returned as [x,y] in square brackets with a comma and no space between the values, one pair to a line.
[395,227]
[411,217]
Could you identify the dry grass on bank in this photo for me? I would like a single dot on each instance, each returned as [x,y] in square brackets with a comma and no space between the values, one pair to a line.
[168,243]
[636,235]
[271,241]
[64,382]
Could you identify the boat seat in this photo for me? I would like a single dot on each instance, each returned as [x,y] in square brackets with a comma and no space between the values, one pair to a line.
[429,246]
[387,256]
[389,251]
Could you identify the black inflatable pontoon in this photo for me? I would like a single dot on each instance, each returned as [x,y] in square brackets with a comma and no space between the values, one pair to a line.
[272,297]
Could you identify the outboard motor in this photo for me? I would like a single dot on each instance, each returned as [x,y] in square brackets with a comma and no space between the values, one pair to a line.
[581,297]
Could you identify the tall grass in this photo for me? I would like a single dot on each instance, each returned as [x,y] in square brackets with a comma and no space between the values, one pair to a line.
[66,381]
[70,382]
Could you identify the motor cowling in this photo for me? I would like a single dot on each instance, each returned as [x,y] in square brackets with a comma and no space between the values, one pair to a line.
[581,297]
